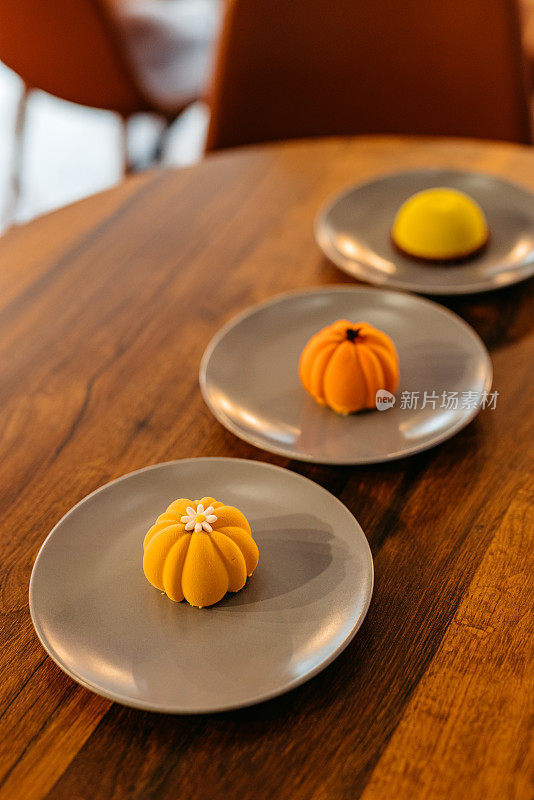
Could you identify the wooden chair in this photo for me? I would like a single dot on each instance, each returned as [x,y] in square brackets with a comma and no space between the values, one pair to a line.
[317,67]
[527,14]
[127,56]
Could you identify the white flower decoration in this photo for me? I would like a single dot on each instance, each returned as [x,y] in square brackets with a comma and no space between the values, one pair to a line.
[199,520]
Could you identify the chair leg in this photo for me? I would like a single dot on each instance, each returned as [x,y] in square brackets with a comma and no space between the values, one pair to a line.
[162,141]
[127,166]
[135,161]
[14,187]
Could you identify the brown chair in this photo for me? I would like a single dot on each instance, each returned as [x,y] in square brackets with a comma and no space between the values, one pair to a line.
[298,68]
[128,57]
[527,14]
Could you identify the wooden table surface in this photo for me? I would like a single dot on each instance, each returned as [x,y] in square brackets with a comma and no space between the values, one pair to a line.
[105,310]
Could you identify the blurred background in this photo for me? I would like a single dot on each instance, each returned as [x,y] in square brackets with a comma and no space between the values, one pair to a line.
[92,90]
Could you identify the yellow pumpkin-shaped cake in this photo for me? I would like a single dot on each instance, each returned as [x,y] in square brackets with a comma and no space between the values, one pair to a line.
[345,364]
[199,551]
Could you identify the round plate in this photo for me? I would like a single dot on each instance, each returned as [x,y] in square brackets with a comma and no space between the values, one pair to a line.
[109,629]
[249,376]
[354,232]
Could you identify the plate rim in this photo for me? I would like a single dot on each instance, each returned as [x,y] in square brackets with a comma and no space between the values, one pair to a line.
[323,240]
[131,702]
[227,423]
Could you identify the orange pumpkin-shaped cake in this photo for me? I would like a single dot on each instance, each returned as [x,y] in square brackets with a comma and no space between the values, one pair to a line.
[345,364]
[199,550]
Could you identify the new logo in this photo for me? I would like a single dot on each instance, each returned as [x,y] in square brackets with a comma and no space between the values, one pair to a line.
[384,400]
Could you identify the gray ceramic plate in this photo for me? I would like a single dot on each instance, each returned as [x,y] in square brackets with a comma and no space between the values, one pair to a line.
[109,629]
[353,231]
[249,376]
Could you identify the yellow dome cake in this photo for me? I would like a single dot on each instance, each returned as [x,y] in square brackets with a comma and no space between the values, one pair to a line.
[199,551]
[440,225]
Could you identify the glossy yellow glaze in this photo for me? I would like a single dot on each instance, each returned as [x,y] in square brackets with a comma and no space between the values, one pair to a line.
[440,224]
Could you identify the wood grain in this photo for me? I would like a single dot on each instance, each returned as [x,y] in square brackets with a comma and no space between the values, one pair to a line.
[456,708]
[105,310]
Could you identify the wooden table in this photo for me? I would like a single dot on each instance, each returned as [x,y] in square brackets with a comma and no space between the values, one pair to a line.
[106,307]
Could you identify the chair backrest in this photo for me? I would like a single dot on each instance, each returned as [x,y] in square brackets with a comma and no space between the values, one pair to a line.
[70,49]
[297,68]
